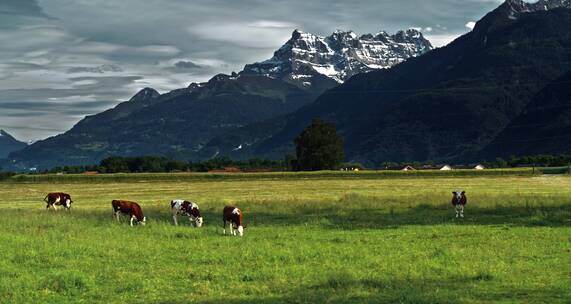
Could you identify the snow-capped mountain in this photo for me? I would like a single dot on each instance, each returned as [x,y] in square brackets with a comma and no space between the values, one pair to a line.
[338,56]
[520,6]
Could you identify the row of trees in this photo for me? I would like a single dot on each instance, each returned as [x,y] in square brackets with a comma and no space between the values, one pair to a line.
[162,164]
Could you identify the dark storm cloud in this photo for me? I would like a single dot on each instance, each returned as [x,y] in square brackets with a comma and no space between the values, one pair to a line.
[186,65]
[22,7]
[80,57]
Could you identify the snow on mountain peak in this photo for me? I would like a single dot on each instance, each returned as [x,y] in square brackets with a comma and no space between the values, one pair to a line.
[520,6]
[338,56]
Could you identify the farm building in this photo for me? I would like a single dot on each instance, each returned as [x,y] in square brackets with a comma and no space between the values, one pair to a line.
[437,167]
[355,167]
[407,168]
[400,168]
[471,167]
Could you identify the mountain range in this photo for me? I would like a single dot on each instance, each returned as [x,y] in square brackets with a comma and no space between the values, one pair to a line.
[453,104]
[181,123]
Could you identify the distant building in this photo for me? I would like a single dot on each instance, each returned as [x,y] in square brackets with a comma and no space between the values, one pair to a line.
[227,170]
[352,167]
[471,167]
[437,167]
[400,168]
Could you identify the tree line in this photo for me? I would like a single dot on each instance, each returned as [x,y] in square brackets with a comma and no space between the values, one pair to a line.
[156,164]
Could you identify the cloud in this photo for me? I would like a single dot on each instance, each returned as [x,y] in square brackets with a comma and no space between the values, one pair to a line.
[441,40]
[471,25]
[272,24]
[23,8]
[186,65]
[96,70]
[243,33]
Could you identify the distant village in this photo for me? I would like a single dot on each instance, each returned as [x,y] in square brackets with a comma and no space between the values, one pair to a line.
[440,167]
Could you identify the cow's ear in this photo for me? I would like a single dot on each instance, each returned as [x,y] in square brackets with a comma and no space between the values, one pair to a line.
[463,192]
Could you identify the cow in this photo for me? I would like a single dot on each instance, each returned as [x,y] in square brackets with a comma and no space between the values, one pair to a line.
[130,208]
[186,208]
[233,218]
[459,202]
[58,199]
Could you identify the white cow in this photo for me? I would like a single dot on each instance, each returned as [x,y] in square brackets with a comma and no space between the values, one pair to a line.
[186,208]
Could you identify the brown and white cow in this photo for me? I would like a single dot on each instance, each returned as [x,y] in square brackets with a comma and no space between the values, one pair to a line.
[186,208]
[130,208]
[233,218]
[58,199]
[459,202]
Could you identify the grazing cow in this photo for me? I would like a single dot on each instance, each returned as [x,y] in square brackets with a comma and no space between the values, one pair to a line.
[58,199]
[232,217]
[186,208]
[130,208]
[459,201]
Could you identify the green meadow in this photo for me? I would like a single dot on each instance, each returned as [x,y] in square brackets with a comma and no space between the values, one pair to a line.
[327,237]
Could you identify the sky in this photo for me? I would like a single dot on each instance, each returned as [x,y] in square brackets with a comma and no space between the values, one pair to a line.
[61,60]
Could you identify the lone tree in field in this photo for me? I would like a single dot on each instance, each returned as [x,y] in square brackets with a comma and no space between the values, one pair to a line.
[319,147]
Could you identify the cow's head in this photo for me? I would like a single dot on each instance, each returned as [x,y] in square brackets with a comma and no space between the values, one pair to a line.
[457,195]
[144,221]
[240,230]
[199,221]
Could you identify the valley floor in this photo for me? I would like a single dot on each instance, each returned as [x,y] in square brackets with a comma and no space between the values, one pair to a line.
[308,240]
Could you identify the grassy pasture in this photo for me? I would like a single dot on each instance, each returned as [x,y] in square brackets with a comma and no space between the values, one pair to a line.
[311,238]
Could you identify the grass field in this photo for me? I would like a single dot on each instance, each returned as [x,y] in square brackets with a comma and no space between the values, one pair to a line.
[313,238]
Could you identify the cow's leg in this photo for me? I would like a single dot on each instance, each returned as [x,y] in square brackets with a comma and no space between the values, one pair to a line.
[232,232]
[191,220]
[174,216]
[225,224]
[457,211]
[462,211]
[132,218]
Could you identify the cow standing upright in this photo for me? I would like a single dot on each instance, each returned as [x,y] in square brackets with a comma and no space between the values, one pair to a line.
[58,199]
[130,208]
[233,218]
[459,202]
[186,208]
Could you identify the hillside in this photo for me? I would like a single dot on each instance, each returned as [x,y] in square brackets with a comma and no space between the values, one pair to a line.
[543,127]
[9,144]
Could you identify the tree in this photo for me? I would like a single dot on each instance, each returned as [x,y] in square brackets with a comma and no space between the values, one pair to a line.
[319,147]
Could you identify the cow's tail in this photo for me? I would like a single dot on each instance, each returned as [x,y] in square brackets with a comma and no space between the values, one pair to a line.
[46,198]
